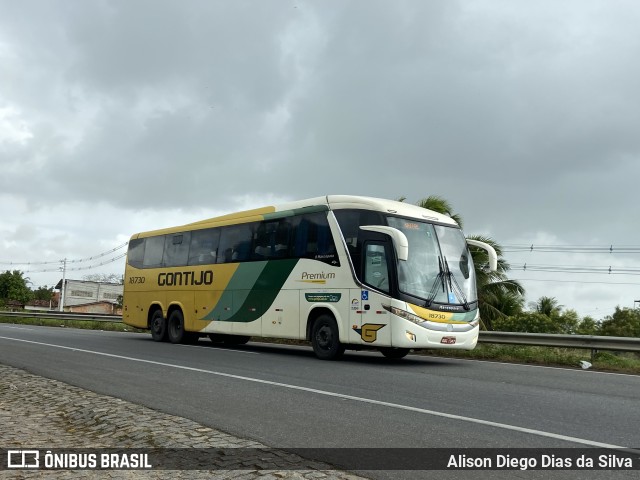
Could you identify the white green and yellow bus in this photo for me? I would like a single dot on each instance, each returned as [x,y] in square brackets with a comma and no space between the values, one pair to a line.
[339,271]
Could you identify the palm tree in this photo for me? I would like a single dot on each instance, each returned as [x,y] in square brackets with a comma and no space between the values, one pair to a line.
[498,296]
[440,205]
[547,306]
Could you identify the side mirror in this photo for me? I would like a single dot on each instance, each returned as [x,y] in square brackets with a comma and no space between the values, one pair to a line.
[493,256]
[400,241]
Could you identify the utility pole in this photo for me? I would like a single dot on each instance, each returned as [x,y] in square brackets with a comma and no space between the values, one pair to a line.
[62,289]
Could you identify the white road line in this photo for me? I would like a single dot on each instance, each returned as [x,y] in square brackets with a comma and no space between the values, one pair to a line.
[371,401]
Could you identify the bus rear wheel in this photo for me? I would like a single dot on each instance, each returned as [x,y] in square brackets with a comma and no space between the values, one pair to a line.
[326,339]
[175,327]
[394,353]
[158,327]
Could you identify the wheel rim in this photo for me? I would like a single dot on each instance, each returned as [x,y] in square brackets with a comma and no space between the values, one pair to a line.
[156,325]
[324,337]
[175,328]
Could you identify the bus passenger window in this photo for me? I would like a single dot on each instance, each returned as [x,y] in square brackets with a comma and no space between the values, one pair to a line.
[204,246]
[235,242]
[176,250]
[153,252]
[136,252]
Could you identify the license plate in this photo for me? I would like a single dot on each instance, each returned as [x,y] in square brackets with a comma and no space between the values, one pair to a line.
[448,340]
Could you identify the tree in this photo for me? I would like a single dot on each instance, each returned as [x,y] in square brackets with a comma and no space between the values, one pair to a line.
[588,326]
[440,205]
[498,296]
[529,322]
[547,306]
[13,286]
[43,293]
[546,316]
[537,322]
[625,322]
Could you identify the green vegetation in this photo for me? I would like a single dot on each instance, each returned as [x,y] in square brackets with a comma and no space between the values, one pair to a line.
[621,362]
[13,287]
[84,324]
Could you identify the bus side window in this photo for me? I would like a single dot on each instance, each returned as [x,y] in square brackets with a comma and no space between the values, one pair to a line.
[235,242]
[271,240]
[376,271]
[313,238]
[153,252]
[135,255]
[176,249]
[204,246]
[350,222]
[283,239]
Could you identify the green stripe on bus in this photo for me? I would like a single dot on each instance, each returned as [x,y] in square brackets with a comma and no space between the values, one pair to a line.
[252,290]
[295,211]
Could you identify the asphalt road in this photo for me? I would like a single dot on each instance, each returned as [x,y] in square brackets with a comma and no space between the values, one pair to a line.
[284,397]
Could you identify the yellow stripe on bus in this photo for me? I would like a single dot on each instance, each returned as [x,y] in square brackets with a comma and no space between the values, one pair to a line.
[432,315]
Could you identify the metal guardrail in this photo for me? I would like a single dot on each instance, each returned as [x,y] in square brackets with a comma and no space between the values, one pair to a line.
[589,342]
[64,316]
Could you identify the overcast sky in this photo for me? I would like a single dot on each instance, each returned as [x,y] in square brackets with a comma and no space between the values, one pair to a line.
[122,116]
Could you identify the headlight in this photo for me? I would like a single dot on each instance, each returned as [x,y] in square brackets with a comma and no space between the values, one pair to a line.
[404,314]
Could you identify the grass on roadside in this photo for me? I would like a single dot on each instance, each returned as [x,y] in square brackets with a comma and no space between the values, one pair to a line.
[85,324]
[622,362]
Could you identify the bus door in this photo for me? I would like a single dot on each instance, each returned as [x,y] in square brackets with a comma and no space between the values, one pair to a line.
[376,273]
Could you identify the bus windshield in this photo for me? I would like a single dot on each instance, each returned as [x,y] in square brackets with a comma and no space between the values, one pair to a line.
[439,268]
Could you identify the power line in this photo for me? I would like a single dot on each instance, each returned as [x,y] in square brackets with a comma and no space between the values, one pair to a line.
[609,270]
[571,281]
[571,248]
[88,267]
[80,260]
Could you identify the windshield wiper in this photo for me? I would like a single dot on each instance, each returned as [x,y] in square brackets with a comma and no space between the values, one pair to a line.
[439,280]
[454,286]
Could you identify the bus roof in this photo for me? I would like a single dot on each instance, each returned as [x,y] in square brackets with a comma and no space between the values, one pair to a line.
[329,202]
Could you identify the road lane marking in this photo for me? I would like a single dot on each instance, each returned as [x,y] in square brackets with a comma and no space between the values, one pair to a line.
[343,396]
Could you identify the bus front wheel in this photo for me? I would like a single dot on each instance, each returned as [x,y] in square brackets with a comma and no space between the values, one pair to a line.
[158,327]
[326,339]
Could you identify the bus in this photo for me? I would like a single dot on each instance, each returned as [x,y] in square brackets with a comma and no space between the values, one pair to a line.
[342,272]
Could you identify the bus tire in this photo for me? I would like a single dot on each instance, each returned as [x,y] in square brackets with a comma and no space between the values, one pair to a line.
[158,326]
[394,353]
[325,338]
[175,327]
